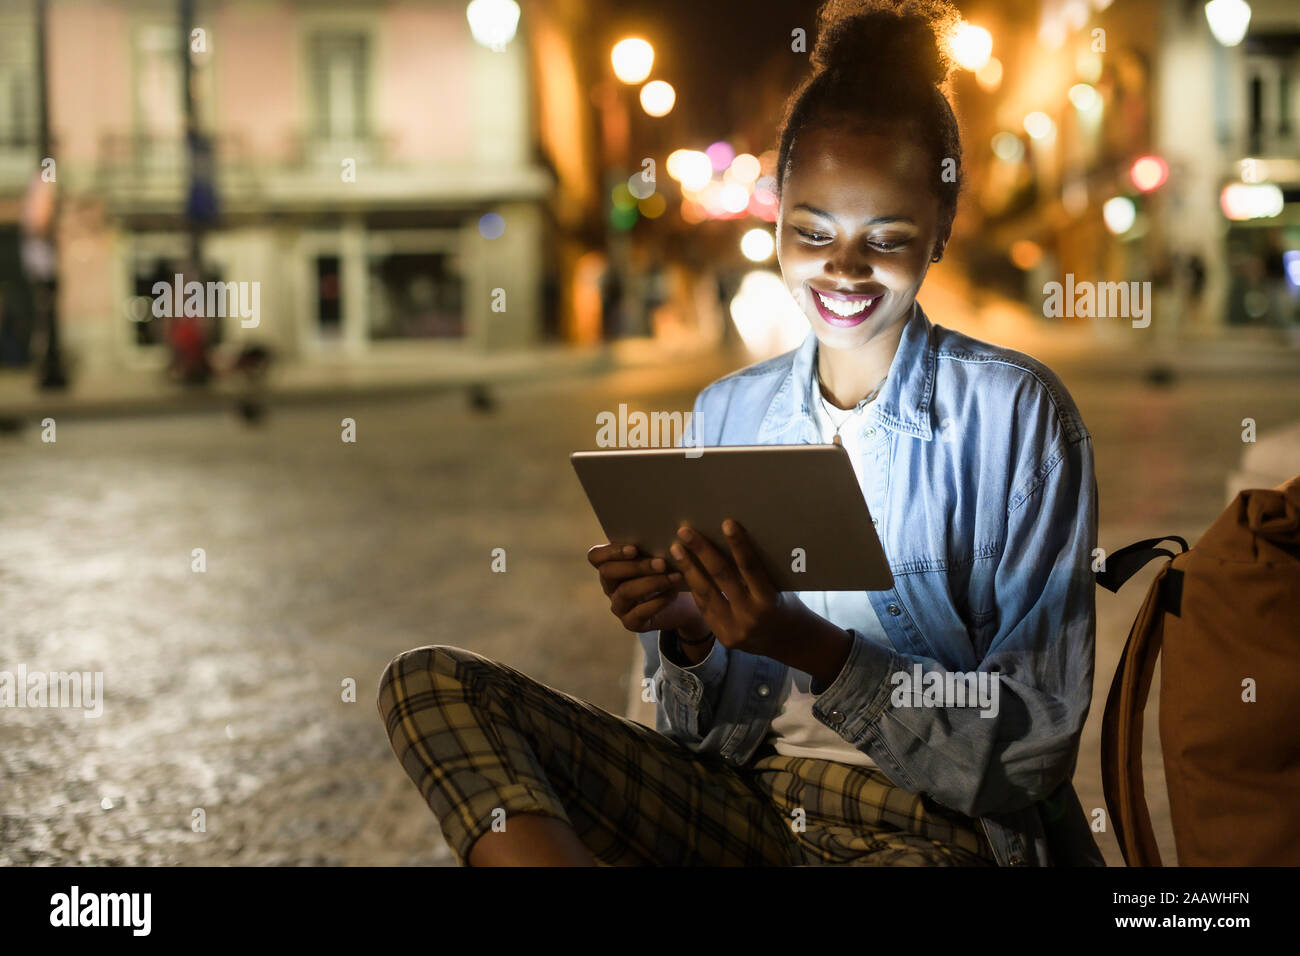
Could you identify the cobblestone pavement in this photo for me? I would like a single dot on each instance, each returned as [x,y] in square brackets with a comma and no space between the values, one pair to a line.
[223,689]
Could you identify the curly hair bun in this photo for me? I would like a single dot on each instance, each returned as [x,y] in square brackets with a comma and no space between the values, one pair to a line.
[894,45]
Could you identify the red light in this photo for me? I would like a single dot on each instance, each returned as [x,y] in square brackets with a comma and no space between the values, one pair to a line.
[1148,173]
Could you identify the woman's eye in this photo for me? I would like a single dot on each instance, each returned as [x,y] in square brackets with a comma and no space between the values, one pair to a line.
[814,236]
[879,244]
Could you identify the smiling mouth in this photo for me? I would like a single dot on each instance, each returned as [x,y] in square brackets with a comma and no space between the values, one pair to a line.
[845,310]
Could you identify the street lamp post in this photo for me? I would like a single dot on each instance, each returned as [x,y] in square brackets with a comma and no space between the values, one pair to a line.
[40,259]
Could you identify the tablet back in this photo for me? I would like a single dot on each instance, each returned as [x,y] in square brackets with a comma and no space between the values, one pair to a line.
[801,504]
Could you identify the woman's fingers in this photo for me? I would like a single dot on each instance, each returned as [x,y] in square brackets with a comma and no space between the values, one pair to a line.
[617,568]
[629,594]
[638,619]
[721,569]
[746,558]
[605,552]
[711,601]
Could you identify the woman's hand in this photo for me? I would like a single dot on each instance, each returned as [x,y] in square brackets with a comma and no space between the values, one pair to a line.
[746,612]
[643,592]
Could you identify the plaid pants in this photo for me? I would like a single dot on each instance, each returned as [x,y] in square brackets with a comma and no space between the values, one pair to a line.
[483,741]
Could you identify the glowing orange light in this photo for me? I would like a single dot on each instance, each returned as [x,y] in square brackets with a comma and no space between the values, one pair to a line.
[1026,253]
[1149,172]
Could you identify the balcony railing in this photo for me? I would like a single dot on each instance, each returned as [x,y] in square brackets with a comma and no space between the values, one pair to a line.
[150,171]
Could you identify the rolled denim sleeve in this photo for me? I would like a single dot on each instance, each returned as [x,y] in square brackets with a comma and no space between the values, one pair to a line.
[686,696]
[1041,659]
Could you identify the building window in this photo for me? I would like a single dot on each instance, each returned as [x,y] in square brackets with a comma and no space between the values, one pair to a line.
[147,328]
[329,302]
[416,295]
[17,90]
[339,65]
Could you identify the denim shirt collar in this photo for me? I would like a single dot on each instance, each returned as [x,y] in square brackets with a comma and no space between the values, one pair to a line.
[903,404]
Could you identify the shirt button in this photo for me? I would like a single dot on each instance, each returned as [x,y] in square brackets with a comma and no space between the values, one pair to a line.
[875,522]
[870,432]
[894,609]
[764,690]
[1016,860]
[836,718]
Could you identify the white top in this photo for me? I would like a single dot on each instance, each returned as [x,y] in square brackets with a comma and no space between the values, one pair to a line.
[794,731]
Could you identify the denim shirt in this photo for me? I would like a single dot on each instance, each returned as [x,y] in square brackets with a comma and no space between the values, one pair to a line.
[985,502]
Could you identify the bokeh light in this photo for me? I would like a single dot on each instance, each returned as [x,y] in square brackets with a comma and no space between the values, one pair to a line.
[1008,147]
[1039,125]
[767,319]
[652,207]
[989,76]
[1025,253]
[720,155]
[632,59]
[971,46]
[757,245]
[1148,173]
[744,169]
[658,97]
[1119,214]
[1084,97]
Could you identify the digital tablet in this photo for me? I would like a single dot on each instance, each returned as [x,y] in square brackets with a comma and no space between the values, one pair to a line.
[801,504]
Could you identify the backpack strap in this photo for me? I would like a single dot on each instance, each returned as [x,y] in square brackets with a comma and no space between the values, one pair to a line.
[1121,726]
[1126,562]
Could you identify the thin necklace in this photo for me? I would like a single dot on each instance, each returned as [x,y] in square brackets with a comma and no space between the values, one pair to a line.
[874,392]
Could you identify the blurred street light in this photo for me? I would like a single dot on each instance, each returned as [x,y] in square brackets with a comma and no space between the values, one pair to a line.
[972,46]
[720,154]
[1026,254]
[1084,97]
[632,59]
[767,319]
[1228,20]
[658,97]
[989,76]
[757,245]
[1039,125]
[734,197]
[691,168]
[1008,147]
[1149,172]
[1251,201]
[493,22]
[1075,13]
[744,169]
[1119,215]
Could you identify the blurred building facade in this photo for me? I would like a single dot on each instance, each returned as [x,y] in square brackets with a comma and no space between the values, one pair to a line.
[1111,82]
[357,148]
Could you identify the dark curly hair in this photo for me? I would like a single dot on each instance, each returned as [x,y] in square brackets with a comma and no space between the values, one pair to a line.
[882,63]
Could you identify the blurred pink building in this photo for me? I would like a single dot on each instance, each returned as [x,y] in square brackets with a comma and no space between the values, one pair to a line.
[358,147]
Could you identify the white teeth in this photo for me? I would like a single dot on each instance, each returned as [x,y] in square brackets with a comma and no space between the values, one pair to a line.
[845,309]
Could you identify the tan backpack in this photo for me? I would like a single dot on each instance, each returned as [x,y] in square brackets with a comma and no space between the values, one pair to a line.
[1227,613]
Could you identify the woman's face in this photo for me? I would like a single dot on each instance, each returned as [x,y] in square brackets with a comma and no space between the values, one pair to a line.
[858,223]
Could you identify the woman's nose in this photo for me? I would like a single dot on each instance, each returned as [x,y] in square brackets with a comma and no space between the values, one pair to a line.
[849,264]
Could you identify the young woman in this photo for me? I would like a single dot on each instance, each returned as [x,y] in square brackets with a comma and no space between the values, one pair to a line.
[782,735]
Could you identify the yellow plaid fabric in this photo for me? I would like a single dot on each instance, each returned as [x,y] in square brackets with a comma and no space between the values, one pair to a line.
[483,741]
